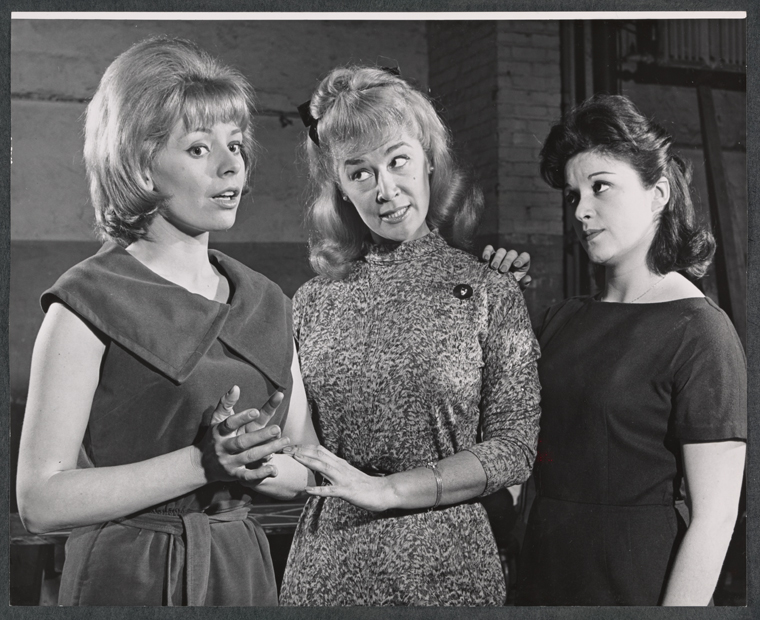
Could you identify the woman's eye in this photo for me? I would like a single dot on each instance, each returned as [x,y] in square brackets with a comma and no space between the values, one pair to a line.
[198,150]
[571,198]
[399,162]
[359,175]
[236,147]
[600,186]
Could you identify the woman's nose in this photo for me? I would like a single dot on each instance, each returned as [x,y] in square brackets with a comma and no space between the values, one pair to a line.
[230,163]
[386,187]
[582,209]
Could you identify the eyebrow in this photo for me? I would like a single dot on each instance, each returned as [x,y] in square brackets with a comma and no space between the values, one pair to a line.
[602,172]
[208,130]
[358,160]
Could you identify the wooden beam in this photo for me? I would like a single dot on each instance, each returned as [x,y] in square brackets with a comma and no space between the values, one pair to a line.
[604,56]
[731,258]
[673,75]
[573,72]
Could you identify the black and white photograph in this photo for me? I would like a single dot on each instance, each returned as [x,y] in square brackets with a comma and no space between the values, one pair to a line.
[378,310]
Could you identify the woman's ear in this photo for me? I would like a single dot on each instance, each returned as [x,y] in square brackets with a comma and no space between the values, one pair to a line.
[661,195]
[147,180]
[342,193]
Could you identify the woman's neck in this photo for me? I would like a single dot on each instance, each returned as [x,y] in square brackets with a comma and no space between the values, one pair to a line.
[629,284]
[181,259]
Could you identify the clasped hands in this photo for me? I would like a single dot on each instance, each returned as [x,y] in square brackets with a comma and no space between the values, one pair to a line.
[238,446]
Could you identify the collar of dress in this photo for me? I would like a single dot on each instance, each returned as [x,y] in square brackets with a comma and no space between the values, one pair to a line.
[115,288]
[387,253]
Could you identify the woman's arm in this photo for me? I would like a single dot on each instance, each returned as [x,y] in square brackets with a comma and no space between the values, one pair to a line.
[54,494]
[509,428]
[713,472]
[290,478]
[462,474]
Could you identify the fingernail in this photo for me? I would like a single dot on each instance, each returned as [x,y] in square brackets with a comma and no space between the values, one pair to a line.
[517,263]
[288,449]
[275,430]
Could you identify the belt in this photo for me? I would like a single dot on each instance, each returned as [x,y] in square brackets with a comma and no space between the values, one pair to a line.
[196,527]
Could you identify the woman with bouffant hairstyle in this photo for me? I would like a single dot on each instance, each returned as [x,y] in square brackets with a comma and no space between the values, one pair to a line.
[613,126]
[357,111]
[141,341]
[419,362]
[643,385]
[132,114]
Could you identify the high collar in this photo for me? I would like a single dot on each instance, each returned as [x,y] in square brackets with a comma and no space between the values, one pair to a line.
[172,328]
[388,253]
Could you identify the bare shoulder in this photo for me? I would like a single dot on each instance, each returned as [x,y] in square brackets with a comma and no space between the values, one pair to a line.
[63,332]
[674,287]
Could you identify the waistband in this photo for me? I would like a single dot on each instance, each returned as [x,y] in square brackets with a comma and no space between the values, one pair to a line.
[196,527]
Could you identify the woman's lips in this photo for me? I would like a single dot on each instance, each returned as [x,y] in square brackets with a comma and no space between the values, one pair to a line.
[395,216]
[588,235]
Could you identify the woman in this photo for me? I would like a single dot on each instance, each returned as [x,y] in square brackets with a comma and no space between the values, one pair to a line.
[643,385]
[419,363]
[140,342]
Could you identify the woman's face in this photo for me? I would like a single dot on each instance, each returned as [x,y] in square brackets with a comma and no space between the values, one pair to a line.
[615,215]
[390,188]
[203,173]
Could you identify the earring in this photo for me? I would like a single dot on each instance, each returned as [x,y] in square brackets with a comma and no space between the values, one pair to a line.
[346,199]
[430,170]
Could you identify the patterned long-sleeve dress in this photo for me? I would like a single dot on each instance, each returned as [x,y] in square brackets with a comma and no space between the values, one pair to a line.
[420,353]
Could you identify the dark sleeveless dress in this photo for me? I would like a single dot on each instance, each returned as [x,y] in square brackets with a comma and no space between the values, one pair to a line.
[170,356]
[623,387]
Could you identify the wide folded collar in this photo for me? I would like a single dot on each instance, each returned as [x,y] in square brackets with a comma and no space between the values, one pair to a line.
[171,328]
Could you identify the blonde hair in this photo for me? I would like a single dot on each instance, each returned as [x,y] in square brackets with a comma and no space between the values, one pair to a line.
[357,110]
[141,97]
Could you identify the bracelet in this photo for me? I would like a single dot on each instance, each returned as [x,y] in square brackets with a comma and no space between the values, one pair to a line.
[438,483]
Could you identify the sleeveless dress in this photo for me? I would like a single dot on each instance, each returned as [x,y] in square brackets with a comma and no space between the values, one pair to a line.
[420,353]
[623,387]
[169,357]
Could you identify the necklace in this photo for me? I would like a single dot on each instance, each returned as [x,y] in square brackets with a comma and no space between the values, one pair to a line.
[648,290]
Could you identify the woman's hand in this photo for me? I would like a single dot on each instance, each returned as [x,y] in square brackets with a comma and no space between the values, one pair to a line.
[368,492]
[508,261]
[228,448]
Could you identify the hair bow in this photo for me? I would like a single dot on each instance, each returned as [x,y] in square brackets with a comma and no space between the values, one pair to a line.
[392,70]
[311,122]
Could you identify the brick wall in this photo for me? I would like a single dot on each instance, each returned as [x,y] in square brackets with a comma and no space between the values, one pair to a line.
[462,65]
[530,212]
[499,85]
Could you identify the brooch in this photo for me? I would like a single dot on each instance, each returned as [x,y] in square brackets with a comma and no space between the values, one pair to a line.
[462,291]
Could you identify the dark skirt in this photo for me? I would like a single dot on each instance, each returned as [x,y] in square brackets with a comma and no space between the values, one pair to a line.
[592,554]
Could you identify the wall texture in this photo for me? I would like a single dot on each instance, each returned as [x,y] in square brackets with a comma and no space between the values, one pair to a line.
[499,87]
[55,68]
[676,109]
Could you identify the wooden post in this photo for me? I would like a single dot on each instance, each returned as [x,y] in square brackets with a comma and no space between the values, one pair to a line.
[604,49]
[731,256]
[573,71]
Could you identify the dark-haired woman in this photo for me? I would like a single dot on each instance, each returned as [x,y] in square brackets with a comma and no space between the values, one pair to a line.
[643,385]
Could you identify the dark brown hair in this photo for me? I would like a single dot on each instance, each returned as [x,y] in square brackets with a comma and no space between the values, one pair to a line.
[612,125]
